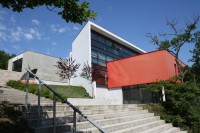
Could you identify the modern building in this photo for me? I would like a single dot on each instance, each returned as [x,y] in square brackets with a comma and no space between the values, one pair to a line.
[44,64]
[123,68]
[97,46]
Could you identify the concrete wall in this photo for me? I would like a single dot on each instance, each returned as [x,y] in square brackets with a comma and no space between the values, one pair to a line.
[111,94]
[81,52]
[6,75]
[45,65]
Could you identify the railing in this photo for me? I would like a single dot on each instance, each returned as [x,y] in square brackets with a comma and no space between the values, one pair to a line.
[55,94]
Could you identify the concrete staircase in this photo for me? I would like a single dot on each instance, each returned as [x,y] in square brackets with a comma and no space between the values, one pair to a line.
[127,118]
[15,96]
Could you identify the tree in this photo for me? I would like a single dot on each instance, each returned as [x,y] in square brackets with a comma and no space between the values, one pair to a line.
[90,73]
[4,57]
[196,56]
[70,10]
[86,72]
[67,68]
[174,41]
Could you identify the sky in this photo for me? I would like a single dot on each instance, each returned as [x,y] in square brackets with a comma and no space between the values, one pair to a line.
[46,32]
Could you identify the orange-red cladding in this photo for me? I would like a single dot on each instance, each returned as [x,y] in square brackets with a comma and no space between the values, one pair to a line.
[141,69]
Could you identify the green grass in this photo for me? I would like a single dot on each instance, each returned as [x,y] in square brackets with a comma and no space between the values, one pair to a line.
[64,91]
[71,91]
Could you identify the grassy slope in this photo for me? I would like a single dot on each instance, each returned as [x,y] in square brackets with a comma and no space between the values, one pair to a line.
[65,91]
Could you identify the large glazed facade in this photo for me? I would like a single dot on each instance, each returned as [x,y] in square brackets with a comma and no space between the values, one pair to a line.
[97,46]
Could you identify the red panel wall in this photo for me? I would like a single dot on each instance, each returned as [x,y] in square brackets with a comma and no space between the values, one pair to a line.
[141,69]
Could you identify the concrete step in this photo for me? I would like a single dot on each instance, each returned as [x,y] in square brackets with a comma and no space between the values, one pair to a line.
[172,130]
[111,121]
[65,107]
[158,129]
[49,114]
[43,122]
[94,117]
[141,127]
[109,128]
[124,125]
[86,124]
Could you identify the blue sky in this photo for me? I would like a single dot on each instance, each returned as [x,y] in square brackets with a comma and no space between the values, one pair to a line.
[45,32]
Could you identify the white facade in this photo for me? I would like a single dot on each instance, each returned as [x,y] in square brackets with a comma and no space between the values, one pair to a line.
[81,52]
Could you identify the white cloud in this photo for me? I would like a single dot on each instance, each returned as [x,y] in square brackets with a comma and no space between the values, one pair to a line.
[35,33]
[76,28]
[28,36]
[2,26]
[61,30]
[36,22]
[57,28]
[19,33]
[16,47]
[3,37]
[12,19]
[53,43]
[15,36]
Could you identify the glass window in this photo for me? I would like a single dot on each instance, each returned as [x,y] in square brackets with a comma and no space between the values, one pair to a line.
[108,58]
[94,60]
[102,63]
[94,54]
[108,43]
[94,36]
[17,65]
[102,56]
[101,39]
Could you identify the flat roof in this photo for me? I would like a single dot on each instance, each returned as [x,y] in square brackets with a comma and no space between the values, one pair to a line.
[36,53]
[114,37]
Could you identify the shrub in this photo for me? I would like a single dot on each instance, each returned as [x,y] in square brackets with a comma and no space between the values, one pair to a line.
[182,104]
[16,84]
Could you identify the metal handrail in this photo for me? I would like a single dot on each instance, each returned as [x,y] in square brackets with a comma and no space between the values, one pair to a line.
[64,101]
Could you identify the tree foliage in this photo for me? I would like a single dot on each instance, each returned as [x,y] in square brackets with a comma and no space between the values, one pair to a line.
[182,104]
[174,41]
[67,68]
[90,73]
[86,71]
[70,10]
[4,57]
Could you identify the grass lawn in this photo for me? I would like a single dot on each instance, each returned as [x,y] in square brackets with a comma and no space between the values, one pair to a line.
[65,91]
[70,91]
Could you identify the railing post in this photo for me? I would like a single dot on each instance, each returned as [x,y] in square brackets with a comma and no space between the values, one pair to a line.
[74,122]
[38,116]
[54,113]
[26,98]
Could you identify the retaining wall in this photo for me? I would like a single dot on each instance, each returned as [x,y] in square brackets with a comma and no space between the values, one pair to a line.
[6,75]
